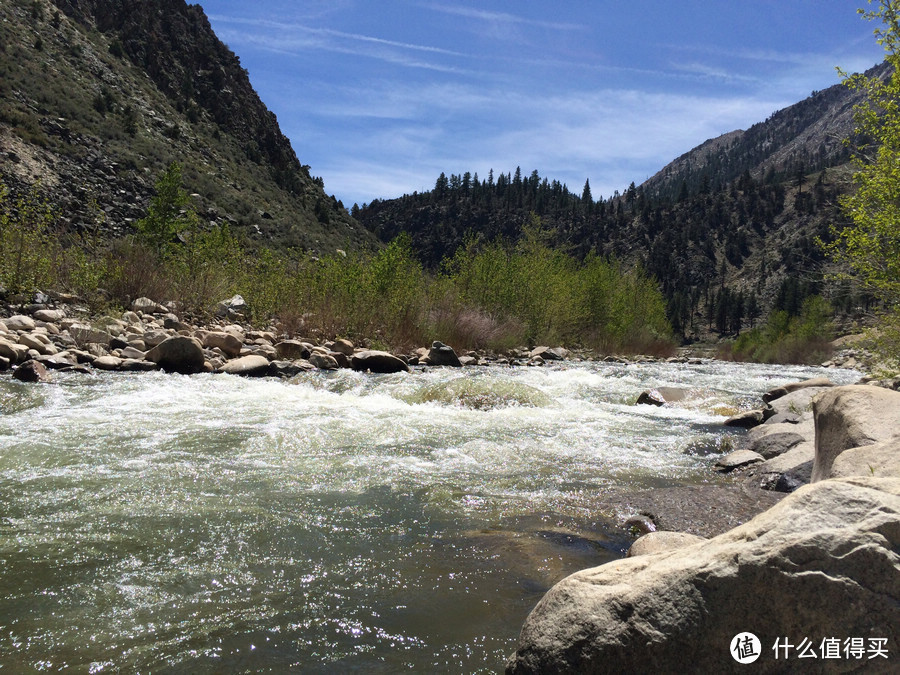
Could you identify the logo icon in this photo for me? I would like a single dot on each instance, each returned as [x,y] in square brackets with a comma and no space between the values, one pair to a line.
[745,648]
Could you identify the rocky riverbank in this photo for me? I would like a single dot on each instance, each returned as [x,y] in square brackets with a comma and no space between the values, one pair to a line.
[55,333]
[820,567]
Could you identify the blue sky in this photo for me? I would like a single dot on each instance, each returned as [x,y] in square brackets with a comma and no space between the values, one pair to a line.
[380,96]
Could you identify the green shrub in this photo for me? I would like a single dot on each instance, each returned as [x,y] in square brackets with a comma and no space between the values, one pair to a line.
[28,254]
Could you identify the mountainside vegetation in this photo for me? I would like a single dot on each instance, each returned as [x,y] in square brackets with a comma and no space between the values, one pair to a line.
[98,97]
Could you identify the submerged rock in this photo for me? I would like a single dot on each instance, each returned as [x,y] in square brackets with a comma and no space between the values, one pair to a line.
[828,550]
[482,394]
[661,396]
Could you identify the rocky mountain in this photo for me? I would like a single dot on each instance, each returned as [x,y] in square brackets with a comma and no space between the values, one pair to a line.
[97,97]
[730,229]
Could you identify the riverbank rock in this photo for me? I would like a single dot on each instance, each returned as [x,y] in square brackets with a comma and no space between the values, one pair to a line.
[323,361]
[778,392]
[19,322]
[252,365]
[850,417]
[178,354]
[737,459]
[442,355]
[828,552]
[745,420]
[227,342]
[377,362]
[31,371]
[657,542]
[661,396]
[550,353]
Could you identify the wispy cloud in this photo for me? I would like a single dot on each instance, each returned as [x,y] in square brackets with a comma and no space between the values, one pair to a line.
[611,136]
[293,37]
[499,17]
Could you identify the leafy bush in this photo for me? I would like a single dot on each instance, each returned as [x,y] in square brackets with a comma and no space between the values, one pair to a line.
[28,253]
[785,339]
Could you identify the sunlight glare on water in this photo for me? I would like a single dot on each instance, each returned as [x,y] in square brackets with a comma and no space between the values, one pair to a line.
[335,522]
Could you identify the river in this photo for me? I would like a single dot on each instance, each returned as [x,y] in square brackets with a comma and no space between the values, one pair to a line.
[337,522]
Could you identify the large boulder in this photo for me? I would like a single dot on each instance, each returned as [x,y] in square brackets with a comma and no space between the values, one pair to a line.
[778,392]
[442,355]
[178,354]
[292,350]
[252,365]
[227,342]
[376,361]
[851,416]
[822,563]
[879,459]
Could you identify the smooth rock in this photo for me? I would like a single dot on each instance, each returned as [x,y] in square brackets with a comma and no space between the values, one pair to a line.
[772,445]
[442,355]
[178,354]
[737,459]
[828,551]
[661,396]
[155,336]
[343,346]
[13,351]
[778,392]
[323,361]
[49,315]
[797,402]
[31,371]
[881,460]
[745,420]
[33,341]
[253,365]
[148,306]
[292,350]
[377,362]
[107,363]
[136,365]
[227,342]
[19,322]
[656,542]
[550,353]
[851,416]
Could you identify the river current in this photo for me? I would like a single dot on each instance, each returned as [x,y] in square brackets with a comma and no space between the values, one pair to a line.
[337,522]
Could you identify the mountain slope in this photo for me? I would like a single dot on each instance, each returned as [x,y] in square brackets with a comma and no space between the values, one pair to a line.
[97,97]
[729,229]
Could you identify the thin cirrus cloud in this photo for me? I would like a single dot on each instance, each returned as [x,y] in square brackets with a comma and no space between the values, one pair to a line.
[499,17]
[293,38]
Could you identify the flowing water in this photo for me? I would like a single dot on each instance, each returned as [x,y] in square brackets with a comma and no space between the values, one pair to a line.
[336,522]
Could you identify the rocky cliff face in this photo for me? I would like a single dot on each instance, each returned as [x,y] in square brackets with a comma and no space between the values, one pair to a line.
[99,96]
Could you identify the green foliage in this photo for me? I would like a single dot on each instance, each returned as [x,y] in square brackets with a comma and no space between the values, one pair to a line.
[788,339]
[554,298]
[870,245]
[168,214]
[28,253]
